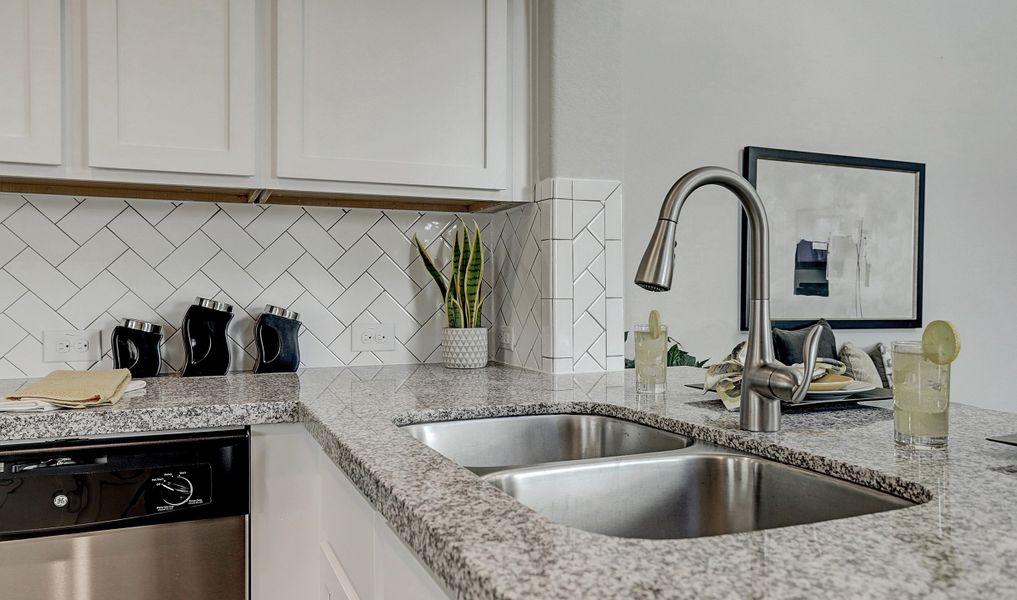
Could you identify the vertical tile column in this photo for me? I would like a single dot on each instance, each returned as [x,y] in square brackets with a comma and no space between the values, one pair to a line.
[581,275]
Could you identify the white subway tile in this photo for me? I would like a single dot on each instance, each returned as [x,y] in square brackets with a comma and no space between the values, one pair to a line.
[315,240]
[88,217]
[615,270]
[355,261]
[33,228]
[230,237]
[93,300]
[32,271]
[278,257]
[317,318]
[614,216]
[10,290]
[92,257]
[231,279]
[593,189]
[355,299]
[187,259]
[561,219]
[54,207]
[316,279]
[141,237]
[272,222]
[394,280]
[140,278]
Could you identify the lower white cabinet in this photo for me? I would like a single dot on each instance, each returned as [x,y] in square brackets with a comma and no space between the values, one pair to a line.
[313,535]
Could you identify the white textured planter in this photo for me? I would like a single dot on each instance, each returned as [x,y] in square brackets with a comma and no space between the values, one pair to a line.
[464,348]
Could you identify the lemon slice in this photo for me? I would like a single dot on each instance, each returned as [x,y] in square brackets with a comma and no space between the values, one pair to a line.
[654,324]
[941,342]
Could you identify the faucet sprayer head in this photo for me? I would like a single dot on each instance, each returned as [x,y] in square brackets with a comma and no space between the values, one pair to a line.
[656,269]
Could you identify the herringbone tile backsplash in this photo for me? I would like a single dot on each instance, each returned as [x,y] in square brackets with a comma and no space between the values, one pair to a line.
[87,263]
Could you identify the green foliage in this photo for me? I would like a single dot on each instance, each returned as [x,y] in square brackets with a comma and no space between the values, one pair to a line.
[676,356]
[463,289]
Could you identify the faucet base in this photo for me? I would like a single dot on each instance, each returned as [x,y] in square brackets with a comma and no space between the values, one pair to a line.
[758,413]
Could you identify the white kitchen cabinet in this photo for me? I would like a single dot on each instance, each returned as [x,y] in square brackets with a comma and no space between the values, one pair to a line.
[31,118]
[393,92]
[314,535]
[171,85]
[284,513]
[335,584]
[399,574]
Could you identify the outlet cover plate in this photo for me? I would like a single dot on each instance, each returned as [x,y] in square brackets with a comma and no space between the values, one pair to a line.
[372,337]
[73,346]
[505,338]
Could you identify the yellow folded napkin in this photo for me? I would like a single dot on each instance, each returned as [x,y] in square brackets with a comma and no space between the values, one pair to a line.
[77,389]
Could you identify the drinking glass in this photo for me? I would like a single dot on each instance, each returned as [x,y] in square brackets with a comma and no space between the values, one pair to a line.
[651,360]
[921,398]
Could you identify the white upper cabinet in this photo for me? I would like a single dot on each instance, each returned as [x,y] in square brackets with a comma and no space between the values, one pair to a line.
[393,92]
[171,85]
[30,68]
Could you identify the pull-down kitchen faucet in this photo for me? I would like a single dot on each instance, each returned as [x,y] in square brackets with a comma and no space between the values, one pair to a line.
[765,381]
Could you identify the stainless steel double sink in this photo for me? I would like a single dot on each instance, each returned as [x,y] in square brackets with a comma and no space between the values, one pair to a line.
[625,479]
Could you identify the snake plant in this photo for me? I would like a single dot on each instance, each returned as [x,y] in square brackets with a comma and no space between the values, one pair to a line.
[462,288]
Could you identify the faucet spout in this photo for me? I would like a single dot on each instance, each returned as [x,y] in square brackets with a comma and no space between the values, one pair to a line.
[765,381]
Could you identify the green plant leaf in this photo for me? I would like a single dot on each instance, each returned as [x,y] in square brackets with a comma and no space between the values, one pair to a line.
[453,278]
[453,311]
[431,268]
[474,279]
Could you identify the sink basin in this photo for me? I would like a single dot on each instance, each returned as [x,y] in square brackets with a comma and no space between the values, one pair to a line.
[487,445]
[685,495]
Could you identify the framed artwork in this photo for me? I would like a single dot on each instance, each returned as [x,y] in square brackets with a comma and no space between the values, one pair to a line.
[846,237]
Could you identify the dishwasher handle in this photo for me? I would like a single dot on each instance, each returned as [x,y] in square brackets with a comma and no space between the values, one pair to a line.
[51,463]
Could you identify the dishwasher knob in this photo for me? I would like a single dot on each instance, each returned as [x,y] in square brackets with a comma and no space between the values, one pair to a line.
[60,500]
[175,490]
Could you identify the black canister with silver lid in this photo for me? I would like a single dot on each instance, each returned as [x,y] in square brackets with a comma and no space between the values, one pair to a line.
[136,346]
[206,346]
[275,335]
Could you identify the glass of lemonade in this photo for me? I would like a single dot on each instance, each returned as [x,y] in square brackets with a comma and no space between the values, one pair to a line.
[651,360]
[921,398]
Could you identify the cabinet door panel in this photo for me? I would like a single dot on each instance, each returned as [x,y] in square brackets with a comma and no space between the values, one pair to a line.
[398,572]
[347,526]
[393,91]
[285,497]
[31,120]
[335,584]
[171,85]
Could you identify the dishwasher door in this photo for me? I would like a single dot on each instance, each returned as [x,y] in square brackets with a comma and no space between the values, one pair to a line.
[193,560]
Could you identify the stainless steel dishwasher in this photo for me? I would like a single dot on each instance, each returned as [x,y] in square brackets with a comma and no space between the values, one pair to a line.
[146,517]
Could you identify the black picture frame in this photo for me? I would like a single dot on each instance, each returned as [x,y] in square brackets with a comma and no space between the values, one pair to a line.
[750,158]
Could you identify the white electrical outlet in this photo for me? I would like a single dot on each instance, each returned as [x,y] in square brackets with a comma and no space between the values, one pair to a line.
[372,337]
[72,346]
[505,338]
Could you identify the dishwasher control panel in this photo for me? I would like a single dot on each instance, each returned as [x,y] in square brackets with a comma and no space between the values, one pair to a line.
[179,487]
[89,484]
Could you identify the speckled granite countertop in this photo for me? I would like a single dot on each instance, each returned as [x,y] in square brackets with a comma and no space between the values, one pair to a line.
[962,543]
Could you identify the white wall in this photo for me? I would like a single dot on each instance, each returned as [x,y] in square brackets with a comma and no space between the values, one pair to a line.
[921,81]
[579,101]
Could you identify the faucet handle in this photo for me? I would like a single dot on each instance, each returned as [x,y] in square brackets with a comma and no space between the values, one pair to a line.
[810,350]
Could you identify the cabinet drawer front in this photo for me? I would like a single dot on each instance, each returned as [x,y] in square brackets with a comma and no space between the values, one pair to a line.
[393,91]
[31,120]
[171,85]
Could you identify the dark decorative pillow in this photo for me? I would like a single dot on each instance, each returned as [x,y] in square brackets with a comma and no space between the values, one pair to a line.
[787,343]
[881,357]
